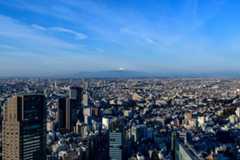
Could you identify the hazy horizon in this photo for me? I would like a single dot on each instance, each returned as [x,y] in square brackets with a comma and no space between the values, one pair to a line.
[41,38]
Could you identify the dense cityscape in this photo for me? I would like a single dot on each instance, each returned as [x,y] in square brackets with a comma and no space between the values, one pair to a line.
[119,80]
[118,119]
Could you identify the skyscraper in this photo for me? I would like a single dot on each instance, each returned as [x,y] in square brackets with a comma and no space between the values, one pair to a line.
[75,93]
[64,114]
[115,145]
[70,109]
[24,128]
[85,101]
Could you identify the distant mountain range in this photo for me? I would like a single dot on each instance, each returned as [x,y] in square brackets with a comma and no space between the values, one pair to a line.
[113,74]
[140,74]
[136,74]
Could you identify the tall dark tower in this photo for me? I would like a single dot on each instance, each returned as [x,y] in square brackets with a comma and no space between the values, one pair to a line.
[70,109]
[75,93]
[75,96]
[24,128]
[64,115]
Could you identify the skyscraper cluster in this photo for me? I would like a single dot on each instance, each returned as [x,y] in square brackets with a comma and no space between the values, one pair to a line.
[118,119]
[24,128]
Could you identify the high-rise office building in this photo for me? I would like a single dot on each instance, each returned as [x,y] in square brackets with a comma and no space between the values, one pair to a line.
[76,93]
[70,109]
[85,100]
[75,96]
[64,114]
[181,150]
[24,128]
[115,145]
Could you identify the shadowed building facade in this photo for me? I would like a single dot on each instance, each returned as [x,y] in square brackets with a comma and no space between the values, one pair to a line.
[70,109]
[24,128]
[64,114]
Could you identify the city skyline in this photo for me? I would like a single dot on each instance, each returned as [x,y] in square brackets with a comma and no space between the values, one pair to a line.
[59,37]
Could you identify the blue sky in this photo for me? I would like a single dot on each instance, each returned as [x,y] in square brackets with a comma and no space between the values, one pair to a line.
[64,36]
